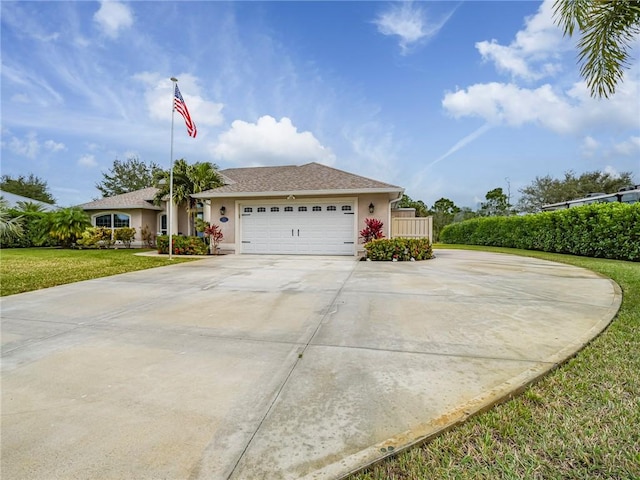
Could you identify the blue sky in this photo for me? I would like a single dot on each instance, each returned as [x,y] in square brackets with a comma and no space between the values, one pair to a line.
[446,99]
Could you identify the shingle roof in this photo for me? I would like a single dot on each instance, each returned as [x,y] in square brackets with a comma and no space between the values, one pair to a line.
[293,178]
[13,200]
[138,199]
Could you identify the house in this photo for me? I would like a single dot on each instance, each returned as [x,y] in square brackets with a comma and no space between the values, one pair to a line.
[15,201]
[307,209]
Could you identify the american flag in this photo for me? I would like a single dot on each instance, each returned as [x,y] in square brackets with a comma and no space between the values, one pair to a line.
[181,107]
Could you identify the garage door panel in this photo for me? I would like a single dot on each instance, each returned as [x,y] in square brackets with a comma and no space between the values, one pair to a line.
[300,230]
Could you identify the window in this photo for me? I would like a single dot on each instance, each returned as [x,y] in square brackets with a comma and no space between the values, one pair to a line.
[112,220]
[317,209]
[248,209]
[261,209]
[275,209]
[103,221]
[331,208]
[346,208]
[163,225]
[288,209]
[302,209]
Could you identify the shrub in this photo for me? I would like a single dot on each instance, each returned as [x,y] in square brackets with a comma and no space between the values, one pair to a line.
[182,245]
[373,229]
[214,232]
[147,237]
[95,237]
[399,249]
[605,230]
[125,235]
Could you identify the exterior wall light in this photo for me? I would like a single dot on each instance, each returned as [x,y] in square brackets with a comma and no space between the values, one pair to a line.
[371,207]
[223,210]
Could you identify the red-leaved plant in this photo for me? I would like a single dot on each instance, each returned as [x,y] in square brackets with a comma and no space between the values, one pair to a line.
[214,232]
[372,231]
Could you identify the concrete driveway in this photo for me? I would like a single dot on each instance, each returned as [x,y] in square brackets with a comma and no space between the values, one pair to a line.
[248,367]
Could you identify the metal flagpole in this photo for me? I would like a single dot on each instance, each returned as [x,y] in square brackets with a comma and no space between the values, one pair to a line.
[170,218]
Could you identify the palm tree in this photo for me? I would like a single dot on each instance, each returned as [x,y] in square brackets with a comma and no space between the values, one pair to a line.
[187,180]
[607,30]
[10,227]
[67,224]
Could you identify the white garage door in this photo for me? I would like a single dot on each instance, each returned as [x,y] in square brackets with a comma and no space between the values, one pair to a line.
[301,228]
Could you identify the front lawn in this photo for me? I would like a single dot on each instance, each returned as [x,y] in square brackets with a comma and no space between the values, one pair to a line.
[580,421]
[27,269]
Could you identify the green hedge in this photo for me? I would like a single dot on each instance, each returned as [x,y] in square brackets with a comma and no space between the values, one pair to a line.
[604,230]
[400,249]
[182,245]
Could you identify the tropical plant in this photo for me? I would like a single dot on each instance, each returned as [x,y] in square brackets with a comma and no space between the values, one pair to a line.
[147,236]
[607,30]
[399,249]
[67,225]
[187,180]
[125,235]
[95,237]
[372,231]
[214,232]
[10,226]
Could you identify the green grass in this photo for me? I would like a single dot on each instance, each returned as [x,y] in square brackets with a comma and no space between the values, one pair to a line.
[582,421]
[27,269]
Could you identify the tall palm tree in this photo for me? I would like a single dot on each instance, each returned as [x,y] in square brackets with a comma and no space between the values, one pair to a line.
[187,180]
[607,30]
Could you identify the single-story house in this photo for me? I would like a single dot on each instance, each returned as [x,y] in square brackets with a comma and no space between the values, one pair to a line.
[15,201]
[295,209]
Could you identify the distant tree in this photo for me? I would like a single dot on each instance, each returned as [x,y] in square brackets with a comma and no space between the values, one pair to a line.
[496,204]
[465,213]
[443,213]
[407,202]
[607,31]
[545,190]
[31,187]
[127,176]
[187,179]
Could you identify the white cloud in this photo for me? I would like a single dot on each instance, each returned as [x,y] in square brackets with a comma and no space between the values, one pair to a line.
[270,142]
[629,147]
[570,112]
[54,146]
[589,146]
[159,98]
[409,22]
[88,161]
[611,171]
[113,17]
[27,147]
[533,54]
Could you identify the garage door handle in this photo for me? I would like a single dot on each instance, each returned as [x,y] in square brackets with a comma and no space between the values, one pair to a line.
[298,232]
[292,232]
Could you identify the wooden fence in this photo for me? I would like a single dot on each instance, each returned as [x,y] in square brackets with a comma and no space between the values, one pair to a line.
[416,227]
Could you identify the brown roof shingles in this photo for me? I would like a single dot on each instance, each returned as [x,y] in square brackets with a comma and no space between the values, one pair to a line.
[138,199]
[309,177]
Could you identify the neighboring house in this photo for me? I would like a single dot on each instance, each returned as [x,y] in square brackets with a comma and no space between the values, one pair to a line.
[14,201]
[307,209]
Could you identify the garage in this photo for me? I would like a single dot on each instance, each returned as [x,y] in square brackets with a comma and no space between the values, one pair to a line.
[310,228]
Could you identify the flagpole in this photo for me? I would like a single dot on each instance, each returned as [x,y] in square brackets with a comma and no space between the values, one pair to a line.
[170,218]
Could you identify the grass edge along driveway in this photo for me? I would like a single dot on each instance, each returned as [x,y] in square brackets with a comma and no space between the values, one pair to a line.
[580,421]
[28,269]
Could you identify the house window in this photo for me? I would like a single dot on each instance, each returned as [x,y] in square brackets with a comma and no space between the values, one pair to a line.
[261,209]
[248,209]
[288,209]
[346,208]
[112,220]
[163,225]
[317,209]
[302,209]
[275,209]
[331,208]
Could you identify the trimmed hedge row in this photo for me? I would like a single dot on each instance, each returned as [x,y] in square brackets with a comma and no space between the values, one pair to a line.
[182,245]
[604,230]
[399,249]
